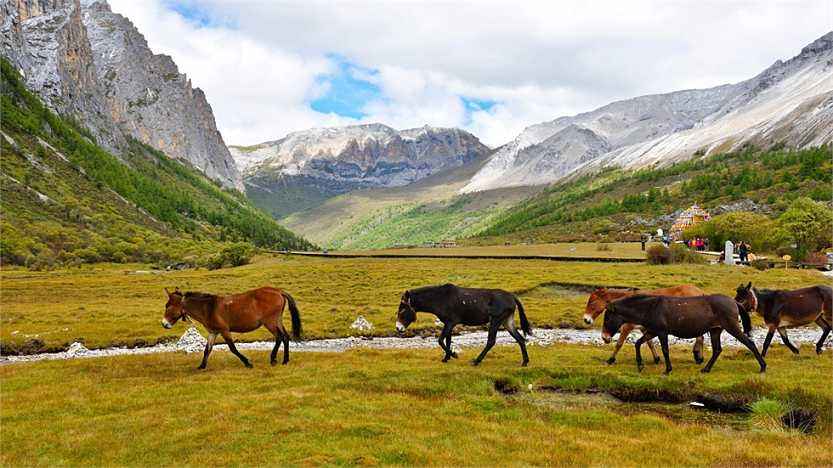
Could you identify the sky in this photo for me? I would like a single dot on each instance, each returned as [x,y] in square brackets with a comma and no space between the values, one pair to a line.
[493,68]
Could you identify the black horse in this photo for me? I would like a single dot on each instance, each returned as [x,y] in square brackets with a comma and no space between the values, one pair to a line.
[683,317]
[788,309]
[454,305]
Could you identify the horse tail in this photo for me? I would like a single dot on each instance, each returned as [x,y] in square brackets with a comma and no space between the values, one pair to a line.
[296,316]
[527,329]
[744,318]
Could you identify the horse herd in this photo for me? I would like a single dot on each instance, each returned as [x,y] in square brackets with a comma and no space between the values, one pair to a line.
[681,311]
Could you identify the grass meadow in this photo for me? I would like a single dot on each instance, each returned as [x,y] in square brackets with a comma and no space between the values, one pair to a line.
[104,305]
[405,407]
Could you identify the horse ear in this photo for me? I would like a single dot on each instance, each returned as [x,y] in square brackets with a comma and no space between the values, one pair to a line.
[167,292]
[749,286]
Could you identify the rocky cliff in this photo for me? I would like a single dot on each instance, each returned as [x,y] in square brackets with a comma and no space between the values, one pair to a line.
[302,169]
[789,102]
[92,64]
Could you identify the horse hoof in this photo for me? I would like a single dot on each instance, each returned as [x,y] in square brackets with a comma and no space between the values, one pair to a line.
[639,368]
[201,368]
[705,371]
[285,362]
[454,355]
[248,365]
[273,362]
[666,372]
[819,350]
[525,363]
[656,360]
[698,361]
[445,359]
[475,362]
[611,361]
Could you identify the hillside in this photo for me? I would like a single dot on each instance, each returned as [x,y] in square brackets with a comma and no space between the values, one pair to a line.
[621,205]
[790,102]
[66,199]
[424,211]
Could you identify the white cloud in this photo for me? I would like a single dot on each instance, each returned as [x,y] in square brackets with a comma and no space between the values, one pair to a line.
[538,60]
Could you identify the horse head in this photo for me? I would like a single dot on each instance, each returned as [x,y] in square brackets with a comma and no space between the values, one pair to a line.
[406,314]
[174,309]
[747,297]
[612,322]
[595,305]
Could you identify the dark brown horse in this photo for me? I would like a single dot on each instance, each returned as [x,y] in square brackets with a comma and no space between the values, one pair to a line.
[683,317]
[454,305]
[788,309]
[601,296]
[238,313]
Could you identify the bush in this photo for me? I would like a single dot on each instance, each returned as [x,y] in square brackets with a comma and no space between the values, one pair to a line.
[238,254]
[759,264]
[808,225]
[603,247]
[759,231]
[658,255]
[681,254]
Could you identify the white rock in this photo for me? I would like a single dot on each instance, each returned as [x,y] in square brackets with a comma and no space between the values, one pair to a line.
[361,324]
[191,341]
[77,349]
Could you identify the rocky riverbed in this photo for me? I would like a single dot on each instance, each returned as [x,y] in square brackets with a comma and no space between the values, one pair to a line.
[193,342]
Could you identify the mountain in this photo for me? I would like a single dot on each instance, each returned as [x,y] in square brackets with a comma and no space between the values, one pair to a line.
[790,102]
[94,66]
[67,200]
[305,168]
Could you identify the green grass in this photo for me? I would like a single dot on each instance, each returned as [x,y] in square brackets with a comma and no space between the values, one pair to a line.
[104,305]
[398,407]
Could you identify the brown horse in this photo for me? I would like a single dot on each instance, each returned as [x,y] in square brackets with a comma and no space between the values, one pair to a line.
[788,309]
[683,317]
[238,313]
[602,296]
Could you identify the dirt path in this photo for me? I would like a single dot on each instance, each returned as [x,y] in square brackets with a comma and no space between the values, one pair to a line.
[193,342]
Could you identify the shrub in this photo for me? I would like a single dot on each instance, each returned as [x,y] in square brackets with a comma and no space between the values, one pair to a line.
[658,255]
[808,224]
[759,264]
[603,247]
[234,255]
[761,232]
[682,254]
[766,414]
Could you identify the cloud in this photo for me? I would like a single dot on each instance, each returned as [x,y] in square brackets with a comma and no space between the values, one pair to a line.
[265,65]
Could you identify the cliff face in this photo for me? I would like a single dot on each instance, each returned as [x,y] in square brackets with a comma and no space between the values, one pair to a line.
[92,64]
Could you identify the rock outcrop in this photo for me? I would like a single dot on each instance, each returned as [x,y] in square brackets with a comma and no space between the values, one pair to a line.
[312,165]
[92,64]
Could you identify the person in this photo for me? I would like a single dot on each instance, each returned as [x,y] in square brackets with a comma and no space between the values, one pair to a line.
[643,239]
[743,252]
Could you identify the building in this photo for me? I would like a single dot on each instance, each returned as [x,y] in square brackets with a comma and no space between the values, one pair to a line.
[688,218]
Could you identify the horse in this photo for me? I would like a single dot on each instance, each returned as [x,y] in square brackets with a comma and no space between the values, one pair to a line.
[238,313]
[683,317]
[601,296]
[454,305]
[788,309]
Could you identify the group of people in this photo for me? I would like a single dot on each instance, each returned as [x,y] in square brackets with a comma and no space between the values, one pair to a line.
[698,243]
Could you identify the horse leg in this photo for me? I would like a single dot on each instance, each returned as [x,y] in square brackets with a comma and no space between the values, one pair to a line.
[768,340]
[273,357]
[734,329]
[285,347]
[663,341]
[825,330]
[717,348]
[444,339]
[698,350]
[653,349]
[783,332]
[493,326]
[645,336]
[233,349]
[448,345]
[209,344]
[510,327]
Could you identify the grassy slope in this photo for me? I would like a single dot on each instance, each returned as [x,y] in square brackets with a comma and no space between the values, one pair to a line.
[399,407]
[608,204]
[103,305]
[96,201]
[426,210]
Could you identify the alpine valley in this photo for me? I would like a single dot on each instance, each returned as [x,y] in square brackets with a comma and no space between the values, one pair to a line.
[110,154]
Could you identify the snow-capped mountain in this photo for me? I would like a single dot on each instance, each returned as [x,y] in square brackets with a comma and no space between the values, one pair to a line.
[322,162]
[790,102]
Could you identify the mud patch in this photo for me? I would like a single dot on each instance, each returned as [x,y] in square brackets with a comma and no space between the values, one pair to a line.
[800,419]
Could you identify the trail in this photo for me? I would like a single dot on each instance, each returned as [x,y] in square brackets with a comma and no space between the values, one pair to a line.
[193,342]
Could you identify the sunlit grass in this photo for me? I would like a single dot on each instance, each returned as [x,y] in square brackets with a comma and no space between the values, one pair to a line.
[104,305]
[395,407]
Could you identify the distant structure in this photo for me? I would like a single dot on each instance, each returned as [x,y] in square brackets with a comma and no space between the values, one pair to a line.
[443,244]
[688,218]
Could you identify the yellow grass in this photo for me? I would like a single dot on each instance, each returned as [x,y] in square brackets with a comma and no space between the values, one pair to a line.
[398,407]
[575,249]
[107,305]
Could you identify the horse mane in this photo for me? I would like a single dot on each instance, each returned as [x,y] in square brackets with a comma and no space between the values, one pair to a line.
[200,296]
